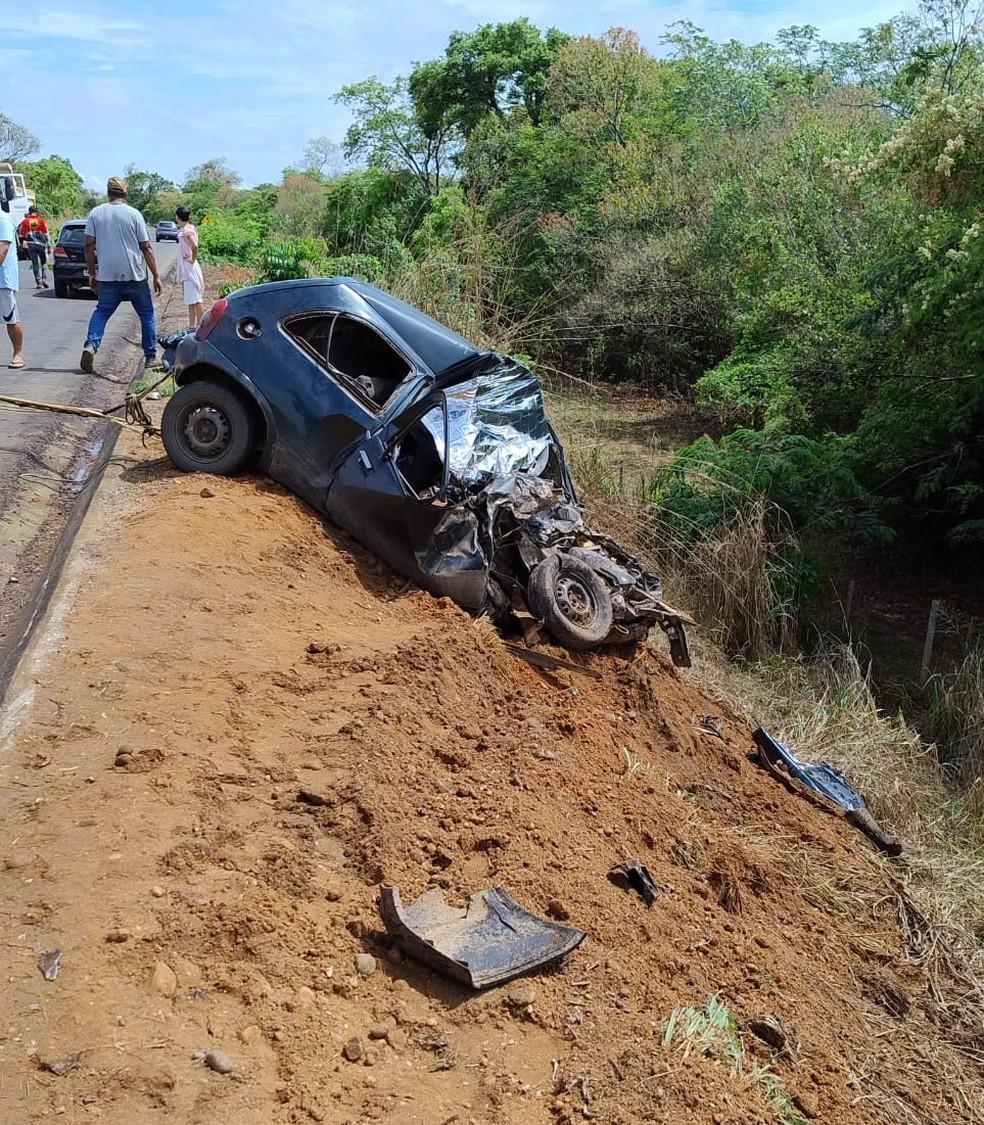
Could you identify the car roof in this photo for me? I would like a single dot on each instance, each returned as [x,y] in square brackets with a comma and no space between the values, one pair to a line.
[434,343]
[73,223]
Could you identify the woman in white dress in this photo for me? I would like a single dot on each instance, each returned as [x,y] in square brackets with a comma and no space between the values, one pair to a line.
[189,272]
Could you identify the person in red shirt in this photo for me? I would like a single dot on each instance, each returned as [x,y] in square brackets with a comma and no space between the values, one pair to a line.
[33,233]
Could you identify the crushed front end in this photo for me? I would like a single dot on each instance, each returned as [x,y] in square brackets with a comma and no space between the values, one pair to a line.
[512,512]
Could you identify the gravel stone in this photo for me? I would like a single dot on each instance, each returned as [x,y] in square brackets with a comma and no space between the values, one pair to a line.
[218,1061]
[522,997]
[365,964]
[381,1030]
[164,981]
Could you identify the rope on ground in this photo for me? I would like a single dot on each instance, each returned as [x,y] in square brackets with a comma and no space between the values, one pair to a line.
[132,406]
[133,411]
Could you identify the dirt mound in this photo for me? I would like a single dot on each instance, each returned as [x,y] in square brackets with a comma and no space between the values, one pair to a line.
[251,724]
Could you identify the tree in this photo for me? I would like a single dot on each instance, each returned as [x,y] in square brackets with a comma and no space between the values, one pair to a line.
[16,141]
[300,205]
[209,185]
[56,184]
[613,84]
[323,156]
[213,171]
[728,85]
[388,134]
[491,70]
[145,190]
[374,212]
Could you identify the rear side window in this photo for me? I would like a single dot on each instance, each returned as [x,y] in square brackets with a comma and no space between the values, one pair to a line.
[354,353]
[72,236]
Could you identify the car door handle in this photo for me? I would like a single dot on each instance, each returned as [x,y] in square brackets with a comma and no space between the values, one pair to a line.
[365,462]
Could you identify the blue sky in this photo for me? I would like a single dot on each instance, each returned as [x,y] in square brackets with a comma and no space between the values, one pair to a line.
[252,80]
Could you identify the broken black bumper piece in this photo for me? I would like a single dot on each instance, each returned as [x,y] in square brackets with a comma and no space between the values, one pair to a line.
[487,942]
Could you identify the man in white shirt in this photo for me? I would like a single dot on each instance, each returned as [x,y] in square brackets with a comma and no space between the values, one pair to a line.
[116,236]
[9,284]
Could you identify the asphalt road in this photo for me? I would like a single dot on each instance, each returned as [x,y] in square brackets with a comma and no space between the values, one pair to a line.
[45,458]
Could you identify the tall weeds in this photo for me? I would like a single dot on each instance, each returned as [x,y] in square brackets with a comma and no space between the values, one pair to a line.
[956,718]
[731,579]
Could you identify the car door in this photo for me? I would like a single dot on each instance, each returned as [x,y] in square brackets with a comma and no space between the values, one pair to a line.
[319,415]
[392,494]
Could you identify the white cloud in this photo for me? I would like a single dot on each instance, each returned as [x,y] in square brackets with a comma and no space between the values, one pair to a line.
[68,23]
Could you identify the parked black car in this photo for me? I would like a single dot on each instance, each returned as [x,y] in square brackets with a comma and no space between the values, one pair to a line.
[166,229]
[69,267]
[432,452]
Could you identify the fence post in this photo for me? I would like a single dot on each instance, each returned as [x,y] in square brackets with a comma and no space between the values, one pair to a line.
[849,604]
[927,657]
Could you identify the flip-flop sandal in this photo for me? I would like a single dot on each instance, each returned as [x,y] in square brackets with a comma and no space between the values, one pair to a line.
[15,366]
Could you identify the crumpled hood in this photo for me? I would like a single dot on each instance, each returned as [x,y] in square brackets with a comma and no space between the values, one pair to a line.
[497,423]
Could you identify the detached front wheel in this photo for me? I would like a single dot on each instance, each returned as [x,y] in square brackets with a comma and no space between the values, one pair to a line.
[208,428]
[571,600]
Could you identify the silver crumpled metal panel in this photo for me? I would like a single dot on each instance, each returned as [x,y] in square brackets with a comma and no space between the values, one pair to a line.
[497,424]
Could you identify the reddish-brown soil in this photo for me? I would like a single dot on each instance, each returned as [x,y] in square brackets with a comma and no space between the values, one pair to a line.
[151,794]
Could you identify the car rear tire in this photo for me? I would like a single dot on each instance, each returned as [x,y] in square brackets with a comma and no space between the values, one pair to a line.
[62,289]
[571,601]
[208,428]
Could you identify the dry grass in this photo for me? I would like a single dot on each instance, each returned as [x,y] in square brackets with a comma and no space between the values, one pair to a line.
[956,721]
[727,580]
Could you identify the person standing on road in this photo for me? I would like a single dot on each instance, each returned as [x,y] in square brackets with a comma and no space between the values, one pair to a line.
[33,232]
[116,236]
[189,270]
[9,284]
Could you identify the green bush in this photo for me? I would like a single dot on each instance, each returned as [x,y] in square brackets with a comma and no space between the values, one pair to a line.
[225,237]
[811,482]
[751,514]
[364,266]
[756,388]
[282,261]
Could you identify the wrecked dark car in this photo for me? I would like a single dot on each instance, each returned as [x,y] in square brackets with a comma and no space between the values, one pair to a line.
[435,454]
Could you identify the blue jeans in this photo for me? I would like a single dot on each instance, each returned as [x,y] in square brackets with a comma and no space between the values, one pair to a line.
[39,261]
[111,295]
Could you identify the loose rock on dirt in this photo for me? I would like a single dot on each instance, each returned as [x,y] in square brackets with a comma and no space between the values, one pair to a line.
[353,1049]
[365,964]
[381,1030]
[218,1061]
[164,981]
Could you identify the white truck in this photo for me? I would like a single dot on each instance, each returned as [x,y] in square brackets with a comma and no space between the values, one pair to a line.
[18,197]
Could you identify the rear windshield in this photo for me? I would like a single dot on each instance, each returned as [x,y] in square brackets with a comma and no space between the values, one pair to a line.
[168,225]
[72,236]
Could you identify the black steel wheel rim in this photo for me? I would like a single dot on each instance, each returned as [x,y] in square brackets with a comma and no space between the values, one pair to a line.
[207,432]
[575,599]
